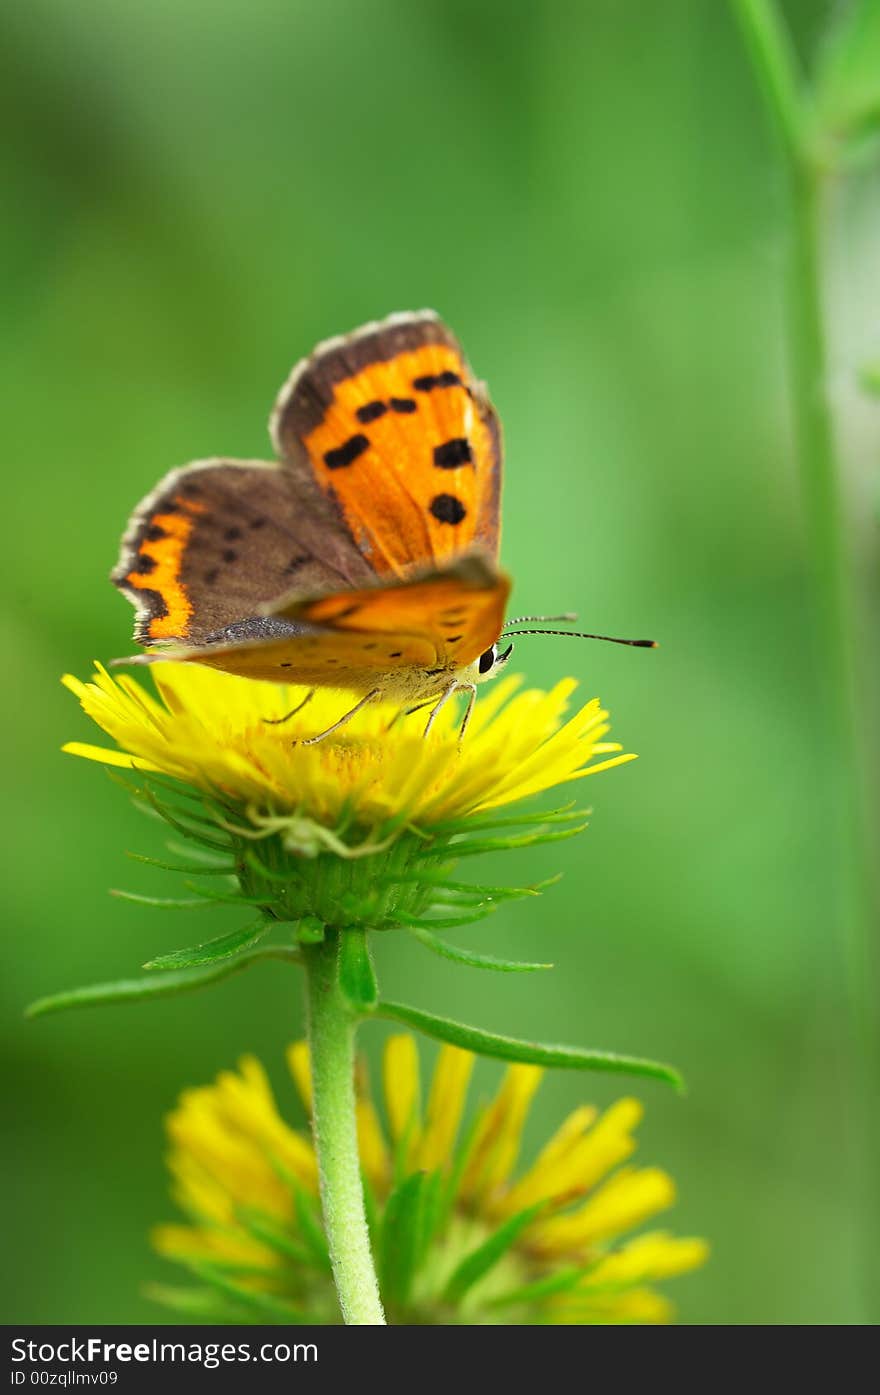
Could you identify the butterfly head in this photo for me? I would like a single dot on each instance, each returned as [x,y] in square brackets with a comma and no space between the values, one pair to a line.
[488,665]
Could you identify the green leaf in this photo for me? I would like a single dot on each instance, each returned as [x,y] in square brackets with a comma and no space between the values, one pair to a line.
[254,1299]
[551,1284]
[474,961]
[481,1260]
[356,976]
[526,840]
[162,985]
[192,869]
[402,1231]
[197,1304]
[452,922]
[309,1222]
[223,947]
[162,903]
[533,1052]
[566,813]
[264,1229]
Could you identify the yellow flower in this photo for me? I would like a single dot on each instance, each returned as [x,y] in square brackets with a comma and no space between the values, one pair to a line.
[209,729]
[462,1231]
[364,828]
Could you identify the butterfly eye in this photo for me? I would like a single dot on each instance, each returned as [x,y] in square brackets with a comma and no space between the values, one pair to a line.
[487,660]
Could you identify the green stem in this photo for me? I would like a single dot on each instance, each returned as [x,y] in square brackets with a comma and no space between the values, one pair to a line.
[331,1044]
[774,61]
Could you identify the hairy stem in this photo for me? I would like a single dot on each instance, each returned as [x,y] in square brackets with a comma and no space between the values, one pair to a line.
[775,67]
[331,1045]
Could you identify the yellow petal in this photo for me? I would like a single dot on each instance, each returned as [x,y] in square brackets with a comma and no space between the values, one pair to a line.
[648,1258]
[371,1145]
[300,1068]
[496,1143]
[400,1073]
[624,1201]
[452,1074]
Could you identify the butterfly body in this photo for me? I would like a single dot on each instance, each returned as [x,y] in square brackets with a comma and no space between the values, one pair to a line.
[365,558]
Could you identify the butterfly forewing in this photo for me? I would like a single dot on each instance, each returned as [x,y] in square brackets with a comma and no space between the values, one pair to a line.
[391,423]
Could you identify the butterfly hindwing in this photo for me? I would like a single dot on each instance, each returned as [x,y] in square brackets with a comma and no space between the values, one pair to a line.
[219,539]
[390,423]
[437,623]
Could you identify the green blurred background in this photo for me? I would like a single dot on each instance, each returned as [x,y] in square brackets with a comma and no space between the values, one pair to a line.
[590,193]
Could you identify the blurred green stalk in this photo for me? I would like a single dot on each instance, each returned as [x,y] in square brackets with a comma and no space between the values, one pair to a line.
[808,165]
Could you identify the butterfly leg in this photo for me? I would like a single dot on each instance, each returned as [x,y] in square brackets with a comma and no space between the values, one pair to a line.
[440,704]
[276,721]
[472,697]
[346,717]
[406,712]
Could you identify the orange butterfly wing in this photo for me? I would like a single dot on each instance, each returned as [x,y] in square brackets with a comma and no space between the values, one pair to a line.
[438,623]
[393,427]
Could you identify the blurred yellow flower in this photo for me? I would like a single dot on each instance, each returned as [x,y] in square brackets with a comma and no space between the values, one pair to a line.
[212,730]
[461,1232]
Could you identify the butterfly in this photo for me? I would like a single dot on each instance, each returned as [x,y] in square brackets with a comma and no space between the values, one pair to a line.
[365,558]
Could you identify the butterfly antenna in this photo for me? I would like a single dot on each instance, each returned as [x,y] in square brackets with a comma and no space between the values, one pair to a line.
[567,619]
[572,634]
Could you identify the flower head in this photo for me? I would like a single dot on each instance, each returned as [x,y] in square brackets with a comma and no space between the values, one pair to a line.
[463,1231]
[214,731]
[379,790]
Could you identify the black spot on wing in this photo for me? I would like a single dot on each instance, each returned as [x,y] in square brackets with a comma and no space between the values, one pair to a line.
[371,411]
[404,405]
[429,381]
[155,533]
[446,508]
[346,454]
[143,564]
[452,454]
[230,555]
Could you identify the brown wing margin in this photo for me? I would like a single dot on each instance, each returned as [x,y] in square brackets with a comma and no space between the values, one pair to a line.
[219,539]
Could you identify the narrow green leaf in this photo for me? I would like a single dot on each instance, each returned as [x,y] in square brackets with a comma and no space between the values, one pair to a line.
[256,863]
[356,976]
[485,1256]
[249,1298]
[448,922]
[264,1229]
[161,903]
[402,1226]
[202,855]
[551,1284]
[445,883]
[474,961]
[188,832]
[208,953]
[162,985]
[227,898]
[198,1304]
[525,840]
[190,869]
[536,1053]
[309,1222]
[566,813]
